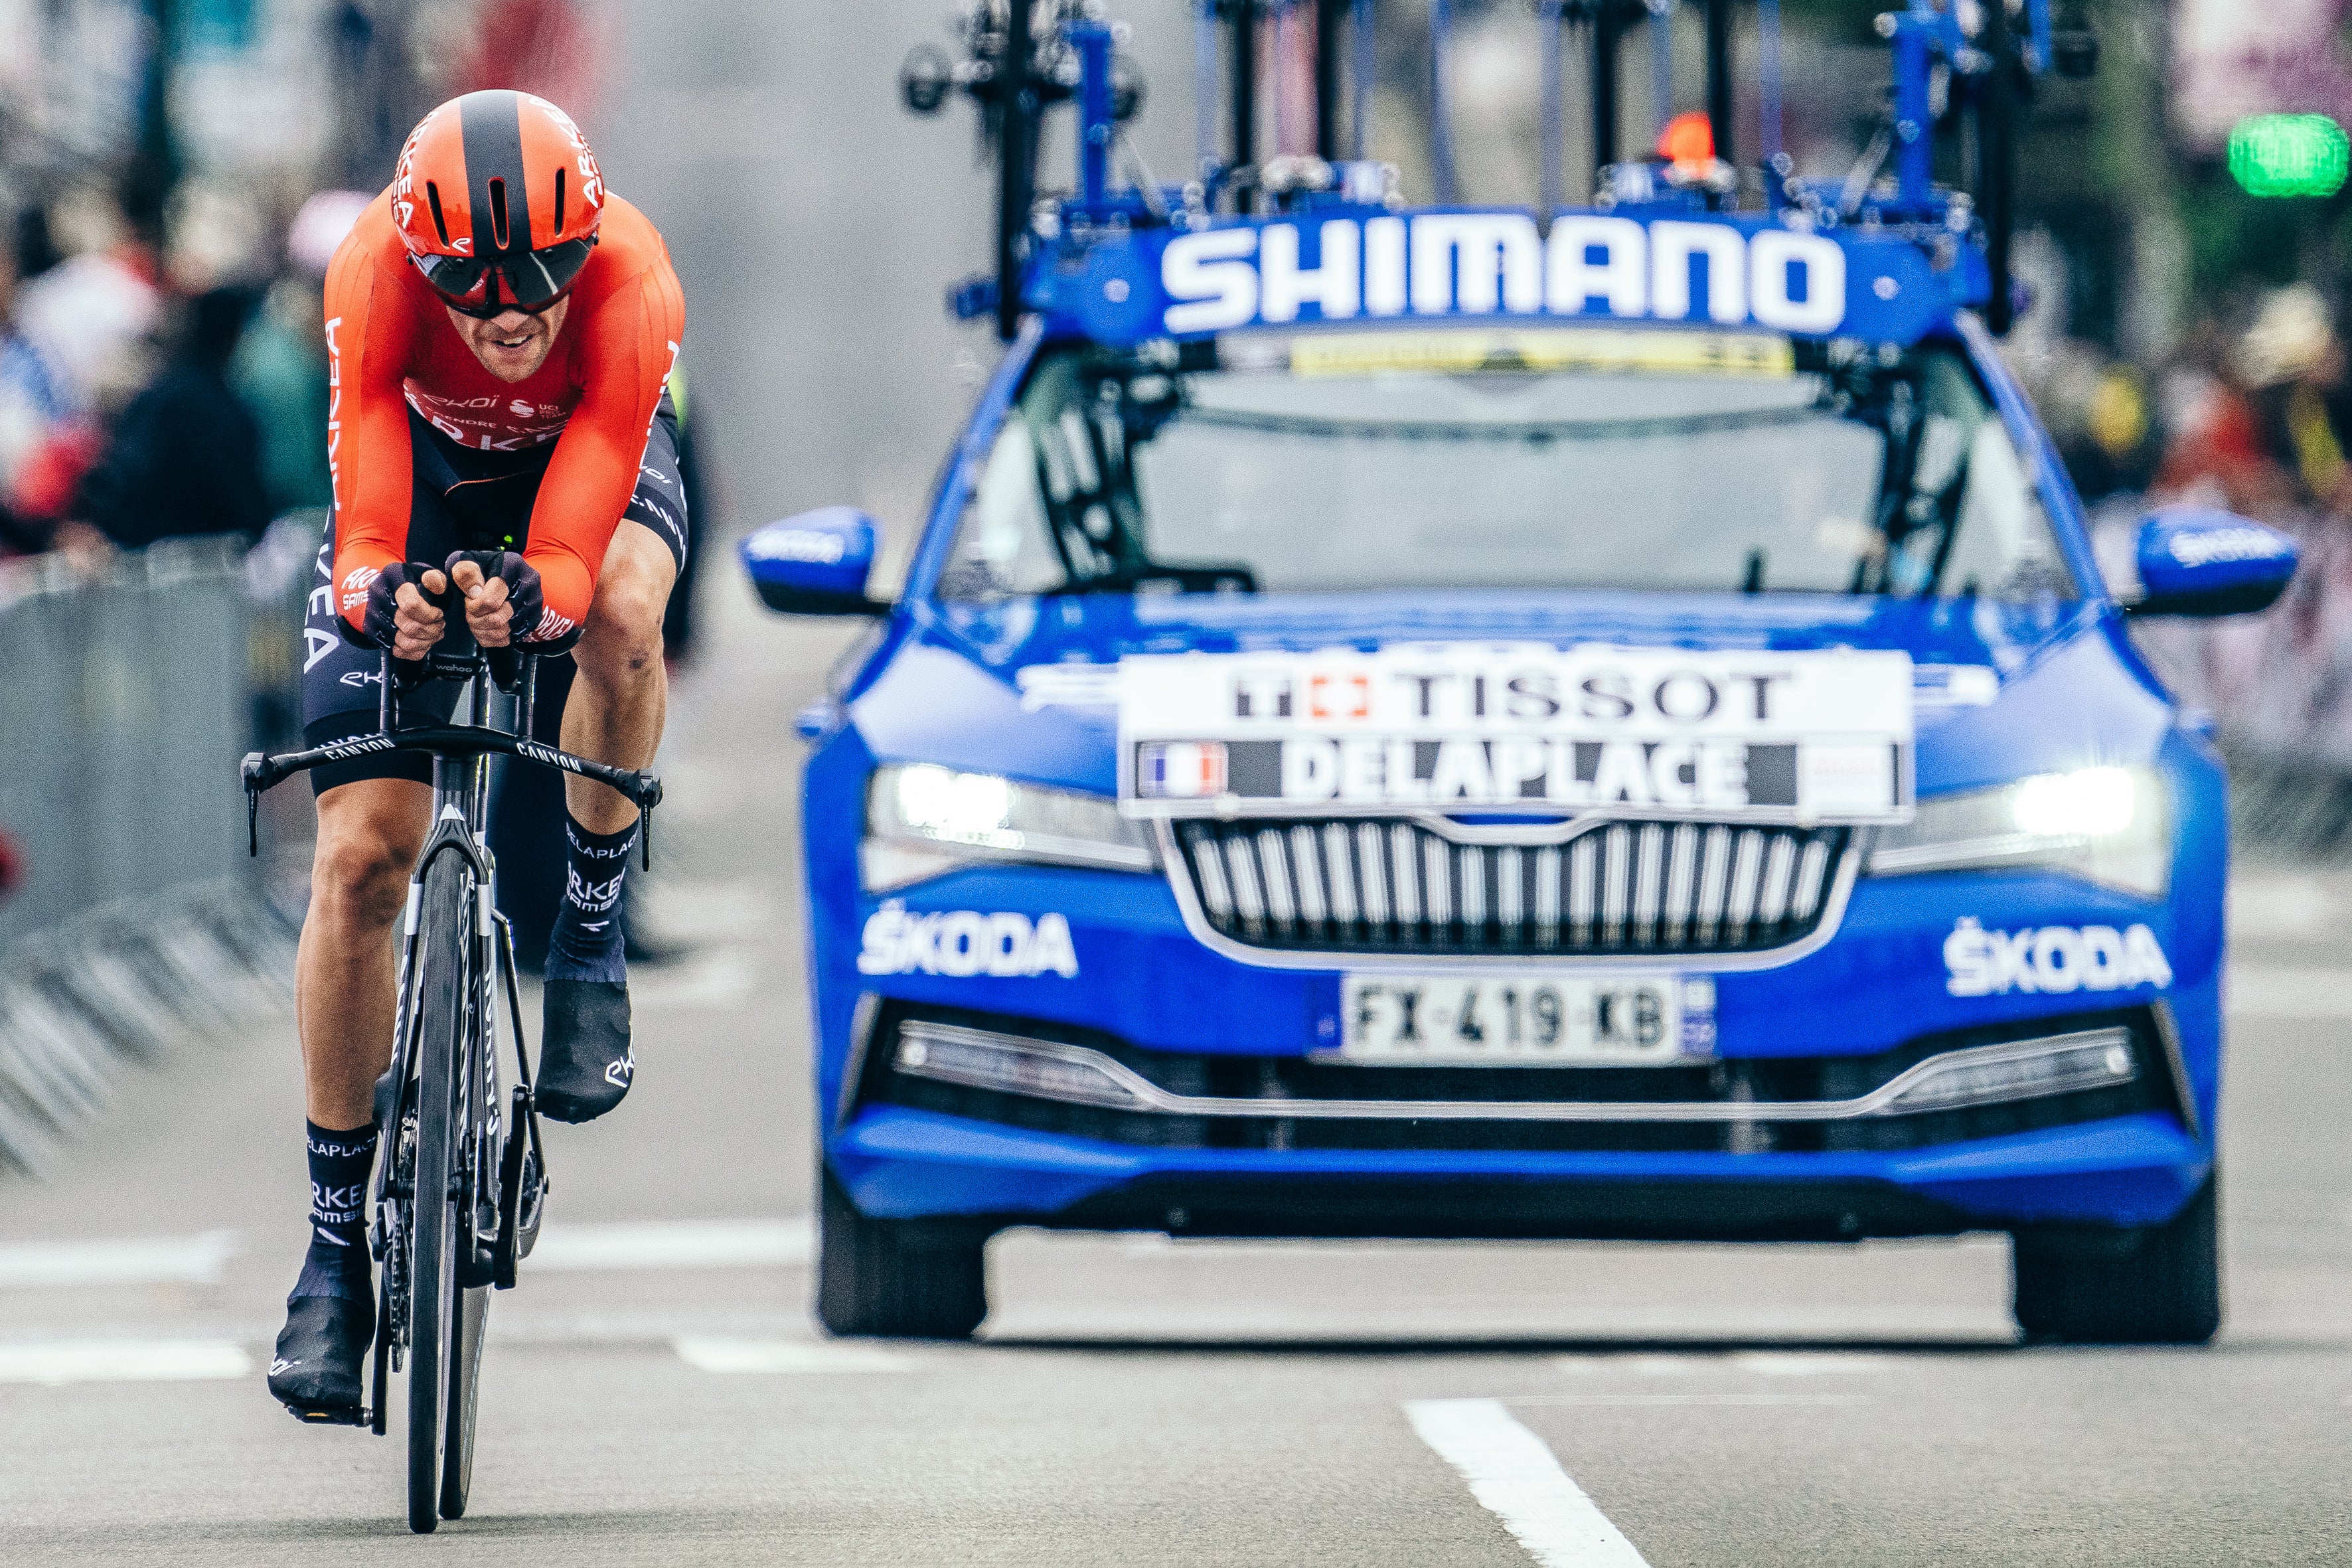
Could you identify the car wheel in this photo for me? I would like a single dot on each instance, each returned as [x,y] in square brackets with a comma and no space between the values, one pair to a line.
[2147,1285]
[895,1278]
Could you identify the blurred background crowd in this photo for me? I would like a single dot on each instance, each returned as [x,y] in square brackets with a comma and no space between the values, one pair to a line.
[174,175]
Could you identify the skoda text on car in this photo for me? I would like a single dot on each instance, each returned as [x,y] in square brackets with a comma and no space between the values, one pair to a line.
[1431,722]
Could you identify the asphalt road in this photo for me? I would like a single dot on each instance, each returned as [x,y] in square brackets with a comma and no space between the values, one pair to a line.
[657,1391]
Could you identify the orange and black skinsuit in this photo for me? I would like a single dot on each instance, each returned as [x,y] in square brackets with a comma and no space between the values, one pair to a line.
[430,453]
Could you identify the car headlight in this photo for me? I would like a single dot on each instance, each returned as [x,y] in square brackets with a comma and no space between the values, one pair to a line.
[923,820]
[2108,826]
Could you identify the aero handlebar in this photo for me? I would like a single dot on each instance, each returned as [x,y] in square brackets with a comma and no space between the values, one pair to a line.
[450,742]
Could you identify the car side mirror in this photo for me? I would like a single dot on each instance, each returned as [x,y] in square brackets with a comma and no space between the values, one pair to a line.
[814,563]
[2199,561]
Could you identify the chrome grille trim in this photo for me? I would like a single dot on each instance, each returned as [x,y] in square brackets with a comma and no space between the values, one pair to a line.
[1310,874]
[1317,894]
[1125,1089]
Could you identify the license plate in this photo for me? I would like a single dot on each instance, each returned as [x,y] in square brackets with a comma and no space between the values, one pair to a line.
[1525,1020]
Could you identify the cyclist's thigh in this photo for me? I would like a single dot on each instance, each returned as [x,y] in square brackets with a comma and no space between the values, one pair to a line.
[659,500]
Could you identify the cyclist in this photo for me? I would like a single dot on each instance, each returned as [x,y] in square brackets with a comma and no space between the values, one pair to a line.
[500,330]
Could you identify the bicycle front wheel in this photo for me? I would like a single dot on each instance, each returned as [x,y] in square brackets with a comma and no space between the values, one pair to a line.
[444,953]
[464,1384]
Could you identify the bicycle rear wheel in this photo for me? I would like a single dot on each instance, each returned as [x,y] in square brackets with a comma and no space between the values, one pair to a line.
[443,957]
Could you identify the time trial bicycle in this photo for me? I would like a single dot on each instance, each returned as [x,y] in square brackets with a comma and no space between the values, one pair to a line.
[460,1195]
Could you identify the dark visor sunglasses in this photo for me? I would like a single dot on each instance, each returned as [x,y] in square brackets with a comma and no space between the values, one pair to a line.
[530,283]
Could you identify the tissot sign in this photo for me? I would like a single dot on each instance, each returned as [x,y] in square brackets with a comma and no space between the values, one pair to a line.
[1365,267]
[1808,737]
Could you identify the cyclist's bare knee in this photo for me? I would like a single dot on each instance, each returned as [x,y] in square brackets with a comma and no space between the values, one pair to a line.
[623,639]
[369,832]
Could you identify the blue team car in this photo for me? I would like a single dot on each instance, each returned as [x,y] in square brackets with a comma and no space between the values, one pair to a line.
[1431,722]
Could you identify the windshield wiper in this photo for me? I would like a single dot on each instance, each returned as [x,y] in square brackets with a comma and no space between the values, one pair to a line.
[1324,428]
[1129,579]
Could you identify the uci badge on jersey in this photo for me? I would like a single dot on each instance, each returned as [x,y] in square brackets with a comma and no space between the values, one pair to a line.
[1808,737]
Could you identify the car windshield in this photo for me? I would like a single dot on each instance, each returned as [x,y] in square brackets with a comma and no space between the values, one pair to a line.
[1551,458]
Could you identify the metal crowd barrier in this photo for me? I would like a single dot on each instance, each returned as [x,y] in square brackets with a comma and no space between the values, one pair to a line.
[127,695]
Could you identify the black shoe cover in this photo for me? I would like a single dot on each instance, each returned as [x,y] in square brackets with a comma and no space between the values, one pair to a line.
[585,1065]
[321,1352]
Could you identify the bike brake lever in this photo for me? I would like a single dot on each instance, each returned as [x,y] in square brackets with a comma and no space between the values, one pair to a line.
[250,770]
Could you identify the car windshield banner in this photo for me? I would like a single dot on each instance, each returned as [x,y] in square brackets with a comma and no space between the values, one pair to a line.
[1812,737]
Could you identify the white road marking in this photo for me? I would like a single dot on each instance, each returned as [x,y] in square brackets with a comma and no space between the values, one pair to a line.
[712,983]
[1515,1478]
[2318,995]
[1808,1363]
[674,1244]
[55,1362]
[2280,904]
[711,1354]
[697,912]
[185,1260]
[1762,1363]
[1726,1400]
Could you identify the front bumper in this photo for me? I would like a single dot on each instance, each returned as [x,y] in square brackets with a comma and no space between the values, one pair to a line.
[905,1163]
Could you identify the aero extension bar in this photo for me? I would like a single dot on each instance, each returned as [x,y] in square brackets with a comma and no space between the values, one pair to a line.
[447,743]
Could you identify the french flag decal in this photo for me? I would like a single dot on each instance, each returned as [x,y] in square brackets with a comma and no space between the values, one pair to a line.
[1180,770]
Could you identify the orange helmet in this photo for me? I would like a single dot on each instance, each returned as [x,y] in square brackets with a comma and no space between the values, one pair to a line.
[497,199]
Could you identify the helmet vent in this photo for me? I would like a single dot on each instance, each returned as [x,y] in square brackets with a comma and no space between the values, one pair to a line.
[559,203]
[433,200]
[498,214]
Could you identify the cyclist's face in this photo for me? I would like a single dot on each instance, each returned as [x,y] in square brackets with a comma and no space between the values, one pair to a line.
[513,346]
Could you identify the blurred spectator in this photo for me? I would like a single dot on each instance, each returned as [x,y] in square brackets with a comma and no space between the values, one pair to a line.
[27,406]
[2096,410]
[280,369]
[185,457]
[2214,445]
[75,345]
[545,47]
[2292,362]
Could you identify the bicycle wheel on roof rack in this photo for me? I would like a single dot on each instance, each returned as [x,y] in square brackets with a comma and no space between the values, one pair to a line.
[444,952]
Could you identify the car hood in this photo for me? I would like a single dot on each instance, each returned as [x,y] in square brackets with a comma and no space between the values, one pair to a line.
[1021,686]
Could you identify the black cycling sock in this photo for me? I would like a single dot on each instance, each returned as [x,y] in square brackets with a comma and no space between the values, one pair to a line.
[586,942]
[337,1264]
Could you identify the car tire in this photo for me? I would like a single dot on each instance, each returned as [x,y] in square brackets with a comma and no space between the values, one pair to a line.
[895,1278]
[2147,1285]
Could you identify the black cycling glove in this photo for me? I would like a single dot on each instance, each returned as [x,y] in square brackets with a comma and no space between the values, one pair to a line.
[523,590]
[383,624]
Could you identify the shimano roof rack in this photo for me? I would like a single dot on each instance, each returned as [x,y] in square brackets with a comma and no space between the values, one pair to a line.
[1086,260]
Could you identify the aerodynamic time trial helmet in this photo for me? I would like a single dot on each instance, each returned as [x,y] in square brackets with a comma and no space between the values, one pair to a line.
[498,198]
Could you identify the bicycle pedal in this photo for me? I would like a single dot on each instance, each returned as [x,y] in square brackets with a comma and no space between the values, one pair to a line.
[333,1416]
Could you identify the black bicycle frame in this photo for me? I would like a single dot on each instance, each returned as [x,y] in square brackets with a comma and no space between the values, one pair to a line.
[461,755]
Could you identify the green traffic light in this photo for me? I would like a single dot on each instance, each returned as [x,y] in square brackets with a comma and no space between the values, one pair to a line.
[2289,155]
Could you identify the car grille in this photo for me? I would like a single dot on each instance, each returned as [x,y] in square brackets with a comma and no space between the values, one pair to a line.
[1387,885]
